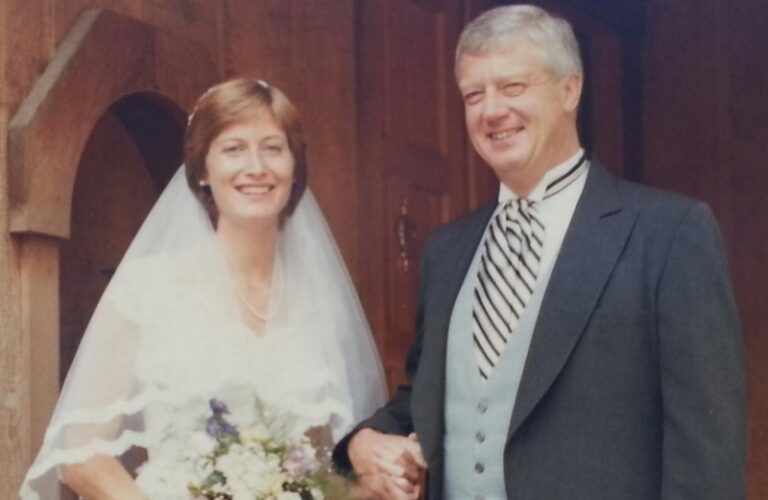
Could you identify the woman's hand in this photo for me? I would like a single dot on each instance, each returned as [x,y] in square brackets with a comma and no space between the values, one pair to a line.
[101,478]
[388,466]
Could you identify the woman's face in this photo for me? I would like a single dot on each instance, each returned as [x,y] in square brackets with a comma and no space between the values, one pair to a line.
[250,171]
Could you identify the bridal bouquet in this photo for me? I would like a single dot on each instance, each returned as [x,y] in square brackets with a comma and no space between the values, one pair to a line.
[270,458]
[262,461]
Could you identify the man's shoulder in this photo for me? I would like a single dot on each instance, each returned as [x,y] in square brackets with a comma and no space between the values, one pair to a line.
[653,197]
[660,217]
[655,205]
[660,207]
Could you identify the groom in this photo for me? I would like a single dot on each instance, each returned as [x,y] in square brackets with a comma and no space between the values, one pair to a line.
[577,337]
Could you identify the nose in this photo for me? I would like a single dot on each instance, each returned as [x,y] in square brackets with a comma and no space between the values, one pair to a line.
[494,106]
[254,163]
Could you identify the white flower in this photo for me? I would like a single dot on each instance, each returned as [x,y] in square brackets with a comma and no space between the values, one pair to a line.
[255,433]
[201,443]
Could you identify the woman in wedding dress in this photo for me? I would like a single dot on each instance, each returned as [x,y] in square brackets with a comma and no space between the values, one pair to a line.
[233,289]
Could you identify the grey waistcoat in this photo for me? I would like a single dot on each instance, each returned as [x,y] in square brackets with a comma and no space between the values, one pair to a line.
[477,413]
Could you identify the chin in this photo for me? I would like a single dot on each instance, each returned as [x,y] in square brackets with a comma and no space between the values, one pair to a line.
[510,159]
[251,218]
[506,165]
[270,217]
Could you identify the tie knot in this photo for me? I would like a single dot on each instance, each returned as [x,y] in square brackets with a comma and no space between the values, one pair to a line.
[525,203]
[520,208]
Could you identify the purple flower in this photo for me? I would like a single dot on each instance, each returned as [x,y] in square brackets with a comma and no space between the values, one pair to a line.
[228,428]
[216,426]
[218,407]
[299,462]
[212,427]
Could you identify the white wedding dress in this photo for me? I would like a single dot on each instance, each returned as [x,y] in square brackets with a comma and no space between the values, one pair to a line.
[168,336]
[192,353]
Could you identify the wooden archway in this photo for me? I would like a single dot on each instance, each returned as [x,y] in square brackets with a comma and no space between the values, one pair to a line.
[104,57]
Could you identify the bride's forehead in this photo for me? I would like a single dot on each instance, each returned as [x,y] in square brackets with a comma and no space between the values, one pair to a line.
[262,124]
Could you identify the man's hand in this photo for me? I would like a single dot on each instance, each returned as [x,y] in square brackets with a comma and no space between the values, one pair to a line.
[389,466]
[382,486]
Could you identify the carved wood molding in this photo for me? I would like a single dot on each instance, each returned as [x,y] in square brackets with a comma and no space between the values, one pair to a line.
[104,56]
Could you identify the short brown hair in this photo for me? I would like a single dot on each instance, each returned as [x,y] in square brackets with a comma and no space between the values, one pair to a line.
[232,102]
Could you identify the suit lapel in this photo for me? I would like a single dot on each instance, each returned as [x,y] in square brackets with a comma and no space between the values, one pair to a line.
[429,385]
[597,233]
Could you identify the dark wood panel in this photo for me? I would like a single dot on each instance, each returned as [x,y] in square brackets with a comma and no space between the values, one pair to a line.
[411,154]
[258,41]
[705,122]
[745,156]
[414,211]
[414,66]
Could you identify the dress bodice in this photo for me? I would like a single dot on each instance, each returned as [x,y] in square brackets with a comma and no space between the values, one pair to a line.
[198,348]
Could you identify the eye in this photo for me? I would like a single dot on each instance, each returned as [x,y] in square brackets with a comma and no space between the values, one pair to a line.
[473,97]
[232,149]
[273,148]
[513,89]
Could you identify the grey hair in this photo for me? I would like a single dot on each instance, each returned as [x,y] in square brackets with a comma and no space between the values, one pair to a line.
[497,28]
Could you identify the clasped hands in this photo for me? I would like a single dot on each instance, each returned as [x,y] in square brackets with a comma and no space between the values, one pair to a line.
[388,466]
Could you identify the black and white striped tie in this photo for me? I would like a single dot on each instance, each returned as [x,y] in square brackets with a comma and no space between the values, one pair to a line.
[509,268]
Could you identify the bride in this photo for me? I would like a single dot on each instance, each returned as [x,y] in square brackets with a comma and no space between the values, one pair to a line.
[232,289]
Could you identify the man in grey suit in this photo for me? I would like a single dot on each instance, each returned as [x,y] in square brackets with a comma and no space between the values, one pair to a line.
[577,338]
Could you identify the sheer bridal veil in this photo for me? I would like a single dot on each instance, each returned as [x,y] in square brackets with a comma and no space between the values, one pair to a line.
[101,406]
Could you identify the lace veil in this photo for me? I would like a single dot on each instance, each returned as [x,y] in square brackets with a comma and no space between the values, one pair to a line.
[172,290]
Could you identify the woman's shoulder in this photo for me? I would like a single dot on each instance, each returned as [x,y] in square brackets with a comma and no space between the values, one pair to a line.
[143,285]
[164,265]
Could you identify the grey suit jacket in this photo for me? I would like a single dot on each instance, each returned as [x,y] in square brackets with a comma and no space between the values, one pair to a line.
[633,387]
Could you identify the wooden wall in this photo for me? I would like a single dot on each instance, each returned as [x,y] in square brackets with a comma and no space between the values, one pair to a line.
[306,47]
[706,134]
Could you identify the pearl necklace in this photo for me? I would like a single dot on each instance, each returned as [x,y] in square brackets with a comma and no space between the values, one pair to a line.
[265,317]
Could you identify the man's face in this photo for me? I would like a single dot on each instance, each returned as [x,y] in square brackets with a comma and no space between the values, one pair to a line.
[520,118]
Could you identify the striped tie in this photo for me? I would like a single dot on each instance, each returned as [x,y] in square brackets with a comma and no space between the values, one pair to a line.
[509,268]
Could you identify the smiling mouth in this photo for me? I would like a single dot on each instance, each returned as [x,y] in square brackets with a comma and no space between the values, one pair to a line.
[503,134]
[255,190]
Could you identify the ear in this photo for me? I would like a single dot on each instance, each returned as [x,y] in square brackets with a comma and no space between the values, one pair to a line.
[572,85]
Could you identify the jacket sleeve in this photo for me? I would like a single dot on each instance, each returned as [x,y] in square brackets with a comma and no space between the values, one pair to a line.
[395,416]
[702,367]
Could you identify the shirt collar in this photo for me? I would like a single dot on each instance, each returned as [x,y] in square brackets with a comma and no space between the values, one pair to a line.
[537,194]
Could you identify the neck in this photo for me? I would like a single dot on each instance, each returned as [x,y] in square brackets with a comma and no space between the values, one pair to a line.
[524,181]
[249,251]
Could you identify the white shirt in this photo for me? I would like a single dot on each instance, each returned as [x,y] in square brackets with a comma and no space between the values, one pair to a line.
[556,211]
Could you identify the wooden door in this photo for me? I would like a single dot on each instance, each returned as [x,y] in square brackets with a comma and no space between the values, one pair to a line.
[411,155]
